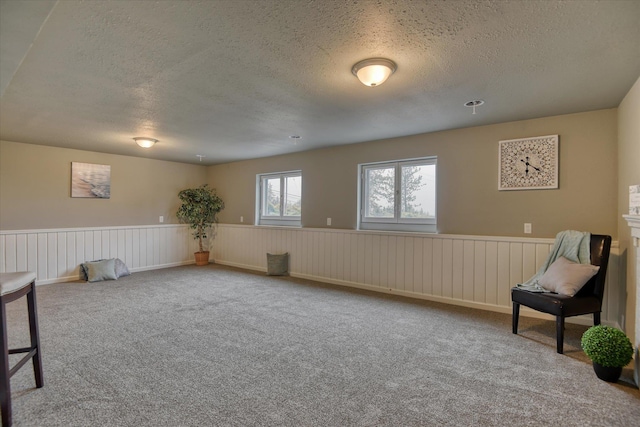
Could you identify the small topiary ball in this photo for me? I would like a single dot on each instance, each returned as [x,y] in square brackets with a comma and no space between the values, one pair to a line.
[607,346]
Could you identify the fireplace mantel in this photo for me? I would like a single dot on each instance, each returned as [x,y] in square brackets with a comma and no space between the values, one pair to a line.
[634,223]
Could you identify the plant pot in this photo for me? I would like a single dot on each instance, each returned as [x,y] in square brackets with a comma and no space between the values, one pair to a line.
[202,258]
[607,373]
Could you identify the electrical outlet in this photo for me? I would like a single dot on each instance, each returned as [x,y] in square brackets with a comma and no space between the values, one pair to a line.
[527,228]
[241,219]
[161,219]
[328,221]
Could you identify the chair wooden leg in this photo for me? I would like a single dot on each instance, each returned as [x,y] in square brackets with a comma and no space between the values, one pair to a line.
[35,335]
[5,386]
[515,317]
[596,318]
[560,334]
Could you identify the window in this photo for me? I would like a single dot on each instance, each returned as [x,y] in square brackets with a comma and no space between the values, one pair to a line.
[398,195]
[280,198]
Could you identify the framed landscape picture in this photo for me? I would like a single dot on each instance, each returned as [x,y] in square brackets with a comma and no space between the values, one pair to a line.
[90,180]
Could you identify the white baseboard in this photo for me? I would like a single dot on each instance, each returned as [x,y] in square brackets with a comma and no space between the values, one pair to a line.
[586,320]
[132,270]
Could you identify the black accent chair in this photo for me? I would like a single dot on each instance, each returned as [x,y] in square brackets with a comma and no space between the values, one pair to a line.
[587,300]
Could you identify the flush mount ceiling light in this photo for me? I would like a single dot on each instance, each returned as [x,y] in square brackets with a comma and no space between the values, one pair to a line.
[145,142]
[373,72]
[474,104]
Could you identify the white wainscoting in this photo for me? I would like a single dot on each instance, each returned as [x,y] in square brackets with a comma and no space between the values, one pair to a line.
[472,271]
[56,254]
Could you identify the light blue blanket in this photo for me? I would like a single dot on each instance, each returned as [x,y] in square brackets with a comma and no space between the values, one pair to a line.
[573,245]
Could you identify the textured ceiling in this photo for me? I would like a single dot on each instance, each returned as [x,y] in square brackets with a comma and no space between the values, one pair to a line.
[233,80]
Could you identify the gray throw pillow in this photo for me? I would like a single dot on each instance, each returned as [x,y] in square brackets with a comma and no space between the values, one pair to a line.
[120,267]
[83,271]
[566,277]
[278,264]
[101,270]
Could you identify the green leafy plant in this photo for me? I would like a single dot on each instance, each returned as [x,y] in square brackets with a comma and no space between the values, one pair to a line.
[607,346]
[200,208]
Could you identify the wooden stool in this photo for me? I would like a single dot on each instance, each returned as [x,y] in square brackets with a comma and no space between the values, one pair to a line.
[12,287]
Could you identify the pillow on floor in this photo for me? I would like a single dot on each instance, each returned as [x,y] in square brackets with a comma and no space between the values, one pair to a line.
[278,264]
[120,267]
[566,277]
[101,270]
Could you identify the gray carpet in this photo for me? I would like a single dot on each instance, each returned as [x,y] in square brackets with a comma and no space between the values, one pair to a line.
[217,346]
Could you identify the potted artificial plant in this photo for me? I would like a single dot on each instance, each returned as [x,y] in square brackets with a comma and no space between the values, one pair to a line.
[200,207]
[609,349]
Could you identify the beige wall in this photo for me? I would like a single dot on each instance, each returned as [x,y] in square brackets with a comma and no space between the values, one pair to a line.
[628,174]
[35,181]
[35,188]
[468,199]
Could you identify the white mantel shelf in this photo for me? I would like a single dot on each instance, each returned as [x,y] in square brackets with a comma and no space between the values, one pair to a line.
[634,223]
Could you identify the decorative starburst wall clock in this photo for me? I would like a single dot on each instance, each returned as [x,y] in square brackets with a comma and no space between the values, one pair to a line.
[528,164]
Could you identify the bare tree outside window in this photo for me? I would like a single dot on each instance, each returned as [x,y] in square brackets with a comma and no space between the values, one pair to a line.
[272,199]
[380,193]
[415,202]
[293,196]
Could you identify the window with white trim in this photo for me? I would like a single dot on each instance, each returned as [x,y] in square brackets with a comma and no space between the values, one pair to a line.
[398,195]
[279,198]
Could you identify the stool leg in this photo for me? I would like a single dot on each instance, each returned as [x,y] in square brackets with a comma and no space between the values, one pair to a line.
[35,335]
[5,387]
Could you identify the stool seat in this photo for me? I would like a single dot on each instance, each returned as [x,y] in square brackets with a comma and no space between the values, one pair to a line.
[14,286]
[11,282]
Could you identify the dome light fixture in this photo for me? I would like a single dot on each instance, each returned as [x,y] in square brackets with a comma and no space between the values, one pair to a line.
[145,142]
[375,71]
